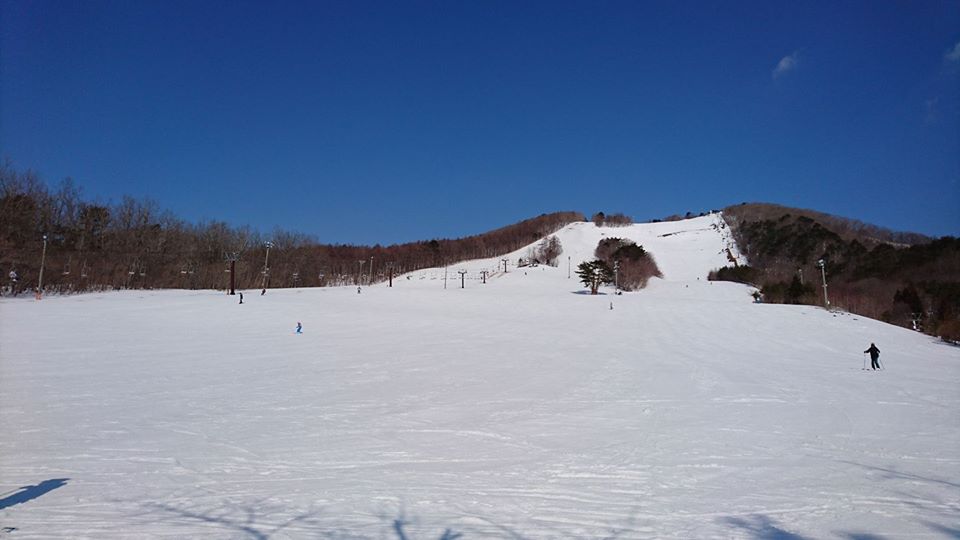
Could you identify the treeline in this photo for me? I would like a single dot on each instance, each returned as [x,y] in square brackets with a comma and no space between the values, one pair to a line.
[634,265]
[612,220]
[135,244]
[619,261]
[903,278]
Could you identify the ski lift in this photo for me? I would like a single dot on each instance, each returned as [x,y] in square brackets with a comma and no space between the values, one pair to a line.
[83,269]
[66,267]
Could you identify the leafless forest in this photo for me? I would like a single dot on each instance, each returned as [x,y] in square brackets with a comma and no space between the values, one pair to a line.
[135,244]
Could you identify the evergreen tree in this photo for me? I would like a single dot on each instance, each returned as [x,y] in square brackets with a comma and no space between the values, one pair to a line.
[594,273]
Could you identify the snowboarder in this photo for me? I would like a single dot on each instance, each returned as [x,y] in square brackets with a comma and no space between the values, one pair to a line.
[241,298]
[874,356]
[299,328]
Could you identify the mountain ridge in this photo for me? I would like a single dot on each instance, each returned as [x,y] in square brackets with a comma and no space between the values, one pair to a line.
[901,277]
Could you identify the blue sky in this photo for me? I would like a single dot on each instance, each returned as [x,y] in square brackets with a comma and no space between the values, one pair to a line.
[366,122]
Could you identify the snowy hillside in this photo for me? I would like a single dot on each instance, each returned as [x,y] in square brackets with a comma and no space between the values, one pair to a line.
[690,248]
[519,408]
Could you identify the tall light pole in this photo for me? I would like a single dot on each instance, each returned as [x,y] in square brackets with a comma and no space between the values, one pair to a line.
[616,276]
[370,273]
[43,259]
[504,265]
[266,267]
[232,259]
[823,274]
[462,273]
[360,271]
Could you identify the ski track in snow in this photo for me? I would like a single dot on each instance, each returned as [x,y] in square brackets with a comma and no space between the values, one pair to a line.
[515,409]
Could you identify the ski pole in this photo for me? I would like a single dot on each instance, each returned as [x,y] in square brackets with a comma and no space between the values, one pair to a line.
[864,361]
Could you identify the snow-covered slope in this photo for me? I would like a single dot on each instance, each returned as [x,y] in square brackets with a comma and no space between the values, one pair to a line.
[685,250]
[517,409]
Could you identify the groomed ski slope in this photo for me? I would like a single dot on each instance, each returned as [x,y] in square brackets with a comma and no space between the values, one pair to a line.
[691,248]
[521,408]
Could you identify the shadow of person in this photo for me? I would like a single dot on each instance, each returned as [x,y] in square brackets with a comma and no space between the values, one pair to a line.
[28,493]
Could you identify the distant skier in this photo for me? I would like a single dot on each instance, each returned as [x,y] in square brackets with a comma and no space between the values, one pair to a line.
[874,356]
[241,298]
[299,328]
[358,290]
[263,292]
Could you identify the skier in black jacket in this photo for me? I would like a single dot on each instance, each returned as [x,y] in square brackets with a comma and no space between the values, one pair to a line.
[874,356]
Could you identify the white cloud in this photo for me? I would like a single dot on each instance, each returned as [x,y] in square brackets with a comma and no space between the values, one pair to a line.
[953,55]
[785,65]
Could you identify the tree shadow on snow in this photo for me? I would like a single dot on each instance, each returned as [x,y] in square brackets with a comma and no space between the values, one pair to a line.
[28,493]
[761,527]
[241,519]
[257,522]
[890,474]
[950,532]
[263,520]
[398,525]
